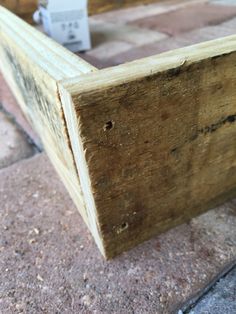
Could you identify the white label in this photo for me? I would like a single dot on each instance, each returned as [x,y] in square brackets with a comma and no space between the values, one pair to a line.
[67,24]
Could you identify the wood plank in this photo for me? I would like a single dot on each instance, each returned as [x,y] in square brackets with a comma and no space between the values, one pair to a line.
[33,65]
[157,138]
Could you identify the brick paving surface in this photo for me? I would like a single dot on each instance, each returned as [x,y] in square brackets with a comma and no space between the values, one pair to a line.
[48,260]
[50,264]
[187,19]
[176,23]
[13,143]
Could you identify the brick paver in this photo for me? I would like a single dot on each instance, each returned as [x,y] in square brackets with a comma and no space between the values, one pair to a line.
[187,19]
[147,50]
[13,143]
[49,262]
[110,39]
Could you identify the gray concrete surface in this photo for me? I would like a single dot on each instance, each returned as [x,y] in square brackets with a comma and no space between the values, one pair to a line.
[221,299]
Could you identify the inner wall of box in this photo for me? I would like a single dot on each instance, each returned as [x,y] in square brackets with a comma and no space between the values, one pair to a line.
[129,34]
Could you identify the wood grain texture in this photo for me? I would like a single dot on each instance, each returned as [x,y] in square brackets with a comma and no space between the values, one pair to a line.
[23,8]
[100,6]
[33,65]
[159,139]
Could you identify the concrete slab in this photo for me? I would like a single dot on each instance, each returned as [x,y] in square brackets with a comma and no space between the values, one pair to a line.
[50,264]
[220,299]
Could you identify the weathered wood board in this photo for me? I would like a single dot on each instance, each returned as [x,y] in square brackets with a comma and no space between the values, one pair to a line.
[141,147]
[160,139]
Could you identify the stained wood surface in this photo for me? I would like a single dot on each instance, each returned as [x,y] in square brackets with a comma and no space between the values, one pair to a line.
[33,65]
[100,6]
[23,8]
[159,136]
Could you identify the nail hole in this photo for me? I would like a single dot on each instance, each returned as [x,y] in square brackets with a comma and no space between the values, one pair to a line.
[108,126]
[123,227]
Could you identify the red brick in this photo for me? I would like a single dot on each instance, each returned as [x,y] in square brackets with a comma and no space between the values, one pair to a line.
[187,19]
[103,32]
[49,262]
[207,33]
[147,50]
[108,49]
[10,104]
[184,39]
[98,63]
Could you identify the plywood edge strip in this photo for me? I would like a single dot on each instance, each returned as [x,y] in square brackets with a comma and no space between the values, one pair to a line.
[73,124]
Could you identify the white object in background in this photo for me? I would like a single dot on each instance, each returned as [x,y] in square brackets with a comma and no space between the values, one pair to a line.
[66,21]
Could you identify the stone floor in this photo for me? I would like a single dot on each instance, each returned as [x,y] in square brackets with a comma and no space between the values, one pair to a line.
[48,260]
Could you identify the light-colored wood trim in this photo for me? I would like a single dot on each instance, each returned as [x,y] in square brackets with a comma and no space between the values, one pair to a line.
[141,147]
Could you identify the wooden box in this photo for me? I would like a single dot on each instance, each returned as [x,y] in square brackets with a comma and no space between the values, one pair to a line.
[141,147]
